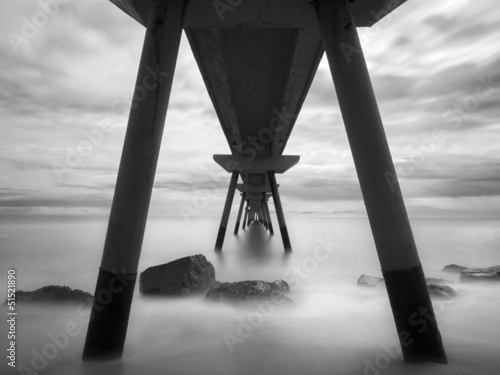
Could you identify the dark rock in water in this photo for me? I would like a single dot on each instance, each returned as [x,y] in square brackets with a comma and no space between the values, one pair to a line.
[378,282]
[187,276]
[371,281]
[474,274]
[55,294]
[442,291]
[435,281]
[453,268]
[437,287]
[480,274]
[243,291]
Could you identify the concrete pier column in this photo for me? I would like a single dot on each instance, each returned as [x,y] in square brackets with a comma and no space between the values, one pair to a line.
[389,222]
[268,214]
[245,217]
[240,211]
[279,211]
[264,215]
[227,209]
[117,274]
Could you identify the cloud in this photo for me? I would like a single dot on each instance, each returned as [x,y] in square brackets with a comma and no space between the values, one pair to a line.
[426,62]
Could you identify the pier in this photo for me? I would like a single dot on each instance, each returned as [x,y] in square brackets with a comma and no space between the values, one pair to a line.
[258,59]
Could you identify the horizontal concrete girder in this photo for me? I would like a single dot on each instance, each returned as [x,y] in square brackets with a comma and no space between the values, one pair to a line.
[260,164]
[260,13]
[256,189]
[257,91]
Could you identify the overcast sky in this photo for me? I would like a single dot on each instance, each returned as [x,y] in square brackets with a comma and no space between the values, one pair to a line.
[435,67]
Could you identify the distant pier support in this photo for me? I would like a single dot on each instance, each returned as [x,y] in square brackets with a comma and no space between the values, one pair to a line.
[268,215]
[279,211]
[263,211]
[227,209]
[391,229]
[117,274]
[245,217]
[240,211]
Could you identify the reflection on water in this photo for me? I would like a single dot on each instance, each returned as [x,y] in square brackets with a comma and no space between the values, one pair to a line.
[335,328]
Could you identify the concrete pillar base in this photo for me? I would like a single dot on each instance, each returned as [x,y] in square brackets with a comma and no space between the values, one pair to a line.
[220,238]
[414,316]
[109,317]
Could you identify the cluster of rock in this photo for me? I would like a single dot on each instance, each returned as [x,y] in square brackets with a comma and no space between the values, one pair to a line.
[243,291]
[467,274]
[438,288]
[195,275]
[55,294]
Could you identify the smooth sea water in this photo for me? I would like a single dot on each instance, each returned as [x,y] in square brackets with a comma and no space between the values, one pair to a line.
[335,327]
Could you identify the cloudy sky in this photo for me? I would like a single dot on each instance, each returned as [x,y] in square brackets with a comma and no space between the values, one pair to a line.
[435,67]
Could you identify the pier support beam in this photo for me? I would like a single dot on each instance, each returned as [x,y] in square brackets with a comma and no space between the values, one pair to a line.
[245,217]
[116,280]
[240,211]
[263,211]
[268,214]
[389,222]
[279,211]
[227,209]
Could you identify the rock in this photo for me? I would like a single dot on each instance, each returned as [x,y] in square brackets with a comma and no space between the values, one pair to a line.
[469,274]
[378,282]
[442,291]
[244,291]
[453,268]
[54,294]
[437,287]
[187,276]
[480,274]
[371,281]
[435,281]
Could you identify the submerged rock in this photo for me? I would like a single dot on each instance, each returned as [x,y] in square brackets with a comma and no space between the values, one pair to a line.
[442,291]
[54,294]
[436,281]
[379,282]
[437,287]
[480,274]
[187,276]
[243,291]
[453,268]
[474,274]
[371,281]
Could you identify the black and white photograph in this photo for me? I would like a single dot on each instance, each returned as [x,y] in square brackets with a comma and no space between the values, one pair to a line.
[241,187]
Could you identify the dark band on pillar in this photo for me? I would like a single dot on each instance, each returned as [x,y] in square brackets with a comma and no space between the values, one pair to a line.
[220,238]
[415,320]
[286,239]
[110,314]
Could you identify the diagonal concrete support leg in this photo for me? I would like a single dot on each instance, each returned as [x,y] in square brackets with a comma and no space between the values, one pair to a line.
[227,209]
[263,212]
[245,217]
[240,211]
[115,284]
[279,211]
[268,214]
[391,229]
